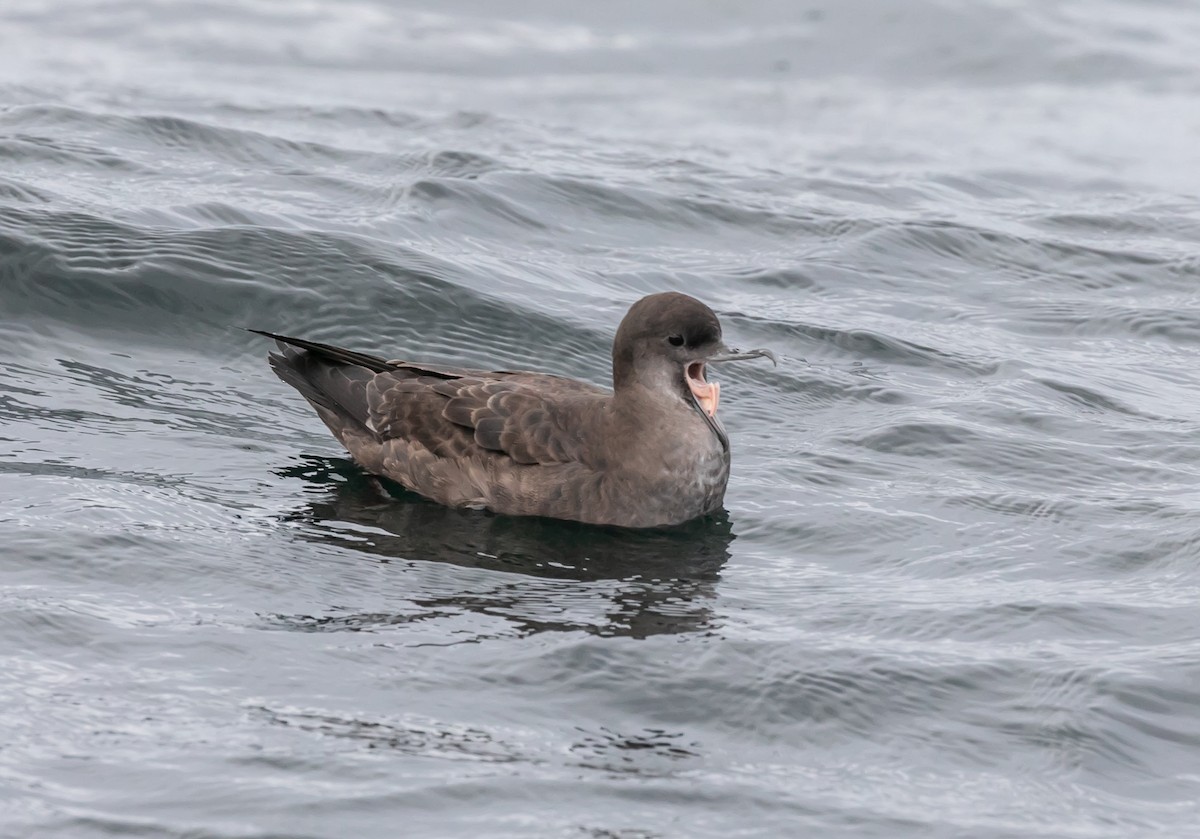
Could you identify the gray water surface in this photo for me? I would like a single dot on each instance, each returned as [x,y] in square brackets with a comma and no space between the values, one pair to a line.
[956,590]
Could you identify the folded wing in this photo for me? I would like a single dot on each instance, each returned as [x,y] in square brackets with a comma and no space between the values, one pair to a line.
[497,413]
[529,418]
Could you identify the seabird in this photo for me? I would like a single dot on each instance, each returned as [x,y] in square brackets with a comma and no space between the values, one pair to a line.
[649,453]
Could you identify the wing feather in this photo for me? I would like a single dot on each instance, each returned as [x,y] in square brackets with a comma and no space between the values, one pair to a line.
[504,416]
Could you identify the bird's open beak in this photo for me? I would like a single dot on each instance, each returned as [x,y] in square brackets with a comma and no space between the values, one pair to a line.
[708,394]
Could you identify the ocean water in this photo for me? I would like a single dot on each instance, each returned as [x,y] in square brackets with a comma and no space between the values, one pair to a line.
[956,592]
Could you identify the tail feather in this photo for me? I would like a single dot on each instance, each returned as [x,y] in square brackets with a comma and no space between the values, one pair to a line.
[333,380]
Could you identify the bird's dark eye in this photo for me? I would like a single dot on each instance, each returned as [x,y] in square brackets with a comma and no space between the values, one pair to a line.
[676,340]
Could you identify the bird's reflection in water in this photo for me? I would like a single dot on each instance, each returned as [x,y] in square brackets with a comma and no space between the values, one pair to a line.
[655,582]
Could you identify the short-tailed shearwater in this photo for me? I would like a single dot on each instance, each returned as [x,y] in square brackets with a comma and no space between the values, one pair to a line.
[649,453]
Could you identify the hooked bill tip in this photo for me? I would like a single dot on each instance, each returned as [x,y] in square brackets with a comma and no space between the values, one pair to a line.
[740,355]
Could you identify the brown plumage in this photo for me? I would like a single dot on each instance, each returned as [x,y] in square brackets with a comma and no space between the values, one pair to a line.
[649,453]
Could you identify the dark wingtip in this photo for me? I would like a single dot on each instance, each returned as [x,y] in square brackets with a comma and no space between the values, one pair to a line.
[282,342]
[327,351]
